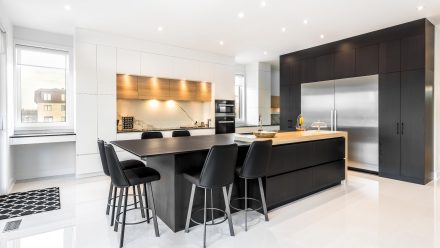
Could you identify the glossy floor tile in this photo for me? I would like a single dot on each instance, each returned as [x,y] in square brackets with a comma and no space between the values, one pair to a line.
[367,211]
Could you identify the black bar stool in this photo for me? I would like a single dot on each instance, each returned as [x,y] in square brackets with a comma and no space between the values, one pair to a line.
[217,172]
[181,133]
[151,135]
[124,179]
[254,167]
[125,165]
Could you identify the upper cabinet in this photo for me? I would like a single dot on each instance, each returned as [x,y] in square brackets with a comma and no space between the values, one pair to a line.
[290,70]
[308,70]
[413,53]
[106,69]
[156,65]
[129,62]
[367,60]
[141,87]
[153,88]
[325,67]
[345,63]
[86,78]
[127,86]
[389,56]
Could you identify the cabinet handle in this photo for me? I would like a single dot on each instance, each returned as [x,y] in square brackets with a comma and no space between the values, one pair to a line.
[397,127]
[402,128]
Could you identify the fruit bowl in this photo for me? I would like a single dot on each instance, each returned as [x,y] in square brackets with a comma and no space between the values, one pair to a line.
[265,134]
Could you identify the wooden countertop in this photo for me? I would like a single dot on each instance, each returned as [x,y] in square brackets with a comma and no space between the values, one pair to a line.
[294,137]
[156,147]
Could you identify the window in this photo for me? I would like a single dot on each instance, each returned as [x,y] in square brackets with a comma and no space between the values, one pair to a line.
[239,98]
[43,81]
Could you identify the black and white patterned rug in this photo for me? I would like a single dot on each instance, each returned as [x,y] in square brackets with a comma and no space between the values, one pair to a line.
[30,202]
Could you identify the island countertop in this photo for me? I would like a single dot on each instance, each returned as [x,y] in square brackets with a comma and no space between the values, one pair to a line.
[177,145]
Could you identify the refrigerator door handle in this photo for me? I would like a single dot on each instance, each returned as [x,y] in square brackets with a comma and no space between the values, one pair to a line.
[336,120]
[331,120]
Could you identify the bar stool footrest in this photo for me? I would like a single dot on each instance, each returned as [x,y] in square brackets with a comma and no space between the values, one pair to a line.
[133,223]
[243,198]
[117,197]
[209,223]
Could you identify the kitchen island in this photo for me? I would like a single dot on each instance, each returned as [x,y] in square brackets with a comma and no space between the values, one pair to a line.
[302,163]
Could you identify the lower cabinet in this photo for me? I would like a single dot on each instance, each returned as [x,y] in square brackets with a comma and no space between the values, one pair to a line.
[284,188]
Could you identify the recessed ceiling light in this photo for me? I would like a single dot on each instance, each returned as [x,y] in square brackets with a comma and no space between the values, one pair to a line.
[262,4]
[283,29]
[160,28]
[265,53]
[67,7]
[305,21]
[321,36]
[221,43]
[420,7]
[241,15]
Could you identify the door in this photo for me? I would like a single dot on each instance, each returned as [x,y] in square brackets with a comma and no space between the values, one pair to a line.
[413,142]
[357,105]
[389,124]
[317,102]
[3,134]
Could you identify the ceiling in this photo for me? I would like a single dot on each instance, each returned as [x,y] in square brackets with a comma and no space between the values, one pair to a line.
[202,24]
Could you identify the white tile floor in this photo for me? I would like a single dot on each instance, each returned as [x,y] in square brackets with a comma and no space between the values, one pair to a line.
[366,212]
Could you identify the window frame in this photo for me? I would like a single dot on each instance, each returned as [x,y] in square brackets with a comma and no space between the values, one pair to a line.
[242,104]
[42,127]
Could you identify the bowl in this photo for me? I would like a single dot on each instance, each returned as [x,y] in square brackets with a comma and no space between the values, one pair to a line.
[265,134]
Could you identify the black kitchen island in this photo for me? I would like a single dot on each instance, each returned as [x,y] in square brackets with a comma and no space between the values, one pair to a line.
[302,163]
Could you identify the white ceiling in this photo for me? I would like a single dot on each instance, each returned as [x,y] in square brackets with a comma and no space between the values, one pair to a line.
[201,24]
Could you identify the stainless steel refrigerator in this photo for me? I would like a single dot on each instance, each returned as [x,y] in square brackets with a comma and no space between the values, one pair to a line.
[352,105]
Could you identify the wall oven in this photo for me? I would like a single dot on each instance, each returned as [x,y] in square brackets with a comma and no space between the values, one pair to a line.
[224,116]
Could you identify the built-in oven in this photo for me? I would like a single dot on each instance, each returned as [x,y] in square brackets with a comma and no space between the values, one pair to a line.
[224,106]
[224,116]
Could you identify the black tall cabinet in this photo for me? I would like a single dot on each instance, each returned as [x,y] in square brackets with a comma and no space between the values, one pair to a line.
[403,56]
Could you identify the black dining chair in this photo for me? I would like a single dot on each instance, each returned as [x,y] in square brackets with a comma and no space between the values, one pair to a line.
[151,135]
[217,172]
[254,167]
[125,165]
[181,133]
[123,180]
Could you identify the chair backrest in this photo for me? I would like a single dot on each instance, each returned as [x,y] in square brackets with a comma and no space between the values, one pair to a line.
[101,148]
[151,135]
[219,167]
[257,159]
[116,172]
[181,133]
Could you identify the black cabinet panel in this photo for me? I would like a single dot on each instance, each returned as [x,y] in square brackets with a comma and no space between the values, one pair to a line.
[289,70]
[367,60]
[389,56]
[413,53]
[290,98]
[308,70]
[327,174]
[389,124]
[325,67]
[328,150]
[345,63]
[412,135]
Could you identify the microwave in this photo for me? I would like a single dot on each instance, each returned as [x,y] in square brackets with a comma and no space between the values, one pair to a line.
[224,107]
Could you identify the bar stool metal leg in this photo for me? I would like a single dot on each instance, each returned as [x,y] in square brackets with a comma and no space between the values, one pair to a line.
[153,209]
[146,204]
[141,204]
[115,192]
[230,191]
[212,209]
[134,196]
[245,205]
[228,212]
[124,215]
[204,222]
[109,200]
[121,195]
[263,199]
[190,206]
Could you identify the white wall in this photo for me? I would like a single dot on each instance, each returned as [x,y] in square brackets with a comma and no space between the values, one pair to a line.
[437,100]
[100,56]
[275,80]
[6,169]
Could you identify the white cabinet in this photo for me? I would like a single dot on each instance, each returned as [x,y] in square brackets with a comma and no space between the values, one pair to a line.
[224,82]
[156,65]
[185,69]
[86,124]
[106,70]
[107,117]
[86,78]
[88,163]
[198,132]
[128,62]
[205,71]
